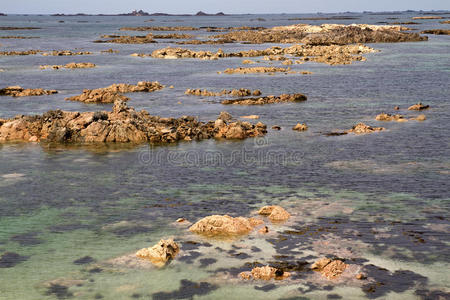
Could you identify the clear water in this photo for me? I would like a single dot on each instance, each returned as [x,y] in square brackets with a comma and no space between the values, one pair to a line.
[380,201]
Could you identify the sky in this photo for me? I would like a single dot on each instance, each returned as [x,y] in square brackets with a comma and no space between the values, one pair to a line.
[211,6]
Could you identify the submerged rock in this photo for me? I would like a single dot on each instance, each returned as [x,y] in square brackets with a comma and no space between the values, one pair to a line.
[113,92]
[437,31]
[13,53]
[389,118]
[125,39]
[267,100]
[122,125]
[418,106]
[225,225]
[264,273]
[66,53]
[256,70]
[161,253]
[274,213]
[17,91]
[362,128]
[331,269]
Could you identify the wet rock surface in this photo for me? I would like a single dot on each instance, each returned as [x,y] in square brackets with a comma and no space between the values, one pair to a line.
[256,70]
[331,269]
[437,31]
[275,213]
[114,92]
[265,273]
[359,128]
[17,91]
[284,98]
[122,125]
[66,53]
[418,106]
[234,93]
[300,127]
[161,253]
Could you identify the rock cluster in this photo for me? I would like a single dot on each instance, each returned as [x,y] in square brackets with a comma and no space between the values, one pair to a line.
[125,39]
[69,66]
[161,253]
[326,34]
[27,52]
[418,106]
[174,53]
[225,225]
[428,18]
[159,28]
[389,118]
[265,273]
[331,269]
[234,93]
[66,53]
[114,92]
[256,70]
[17,91]
[360,128]
[267,100]
[275,213]
[122,125]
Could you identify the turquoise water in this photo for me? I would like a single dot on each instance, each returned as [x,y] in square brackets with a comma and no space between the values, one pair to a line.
[69,215]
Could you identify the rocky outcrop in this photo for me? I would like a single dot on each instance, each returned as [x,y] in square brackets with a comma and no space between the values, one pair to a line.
[65,53]
[275,213]
[360,128]
[233,93]
[159,28]
[256,70]
[418,106]
[300,127]
[18,28]
[176,53]
[125,39]
[437,31]
[114,92]
[264,273]
[218,226]
[122,125]
[428,18]
[389,118]
[14,53]
[326,34]
[19,37]
[161,253]
[267,100]
[445,22]
[17,91]
[69,66]
[110,51]
[331,269]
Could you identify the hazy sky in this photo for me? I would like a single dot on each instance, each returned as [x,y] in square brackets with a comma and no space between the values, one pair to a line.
[211,6]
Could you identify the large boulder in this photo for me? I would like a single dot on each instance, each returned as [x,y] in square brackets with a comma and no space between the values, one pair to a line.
[331,269]
[264,273]
[218,225]
[275,213]
[161,253]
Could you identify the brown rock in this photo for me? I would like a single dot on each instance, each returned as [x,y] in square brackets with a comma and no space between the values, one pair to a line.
[275,213]
[362,128]
[235,92]
[388,118]
[331,269]
[250,117]
[300,127]
[265,273]
[418,106]
[17,91]
[69,66]
[276,127]
[419,118]
[264,230]
[161,253]
[361,276]
[267,100]
[437,31]
[217,225]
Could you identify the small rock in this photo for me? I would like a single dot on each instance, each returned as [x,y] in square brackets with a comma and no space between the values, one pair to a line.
[250,117]
[276,127]
[300,127]
[361,276]
[274,213]
[160,253]
[418,106]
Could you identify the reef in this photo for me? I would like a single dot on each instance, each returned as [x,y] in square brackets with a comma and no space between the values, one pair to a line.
[17,91]
[283,98]
[217,225]
[69,66]
[234,93]
[437,31]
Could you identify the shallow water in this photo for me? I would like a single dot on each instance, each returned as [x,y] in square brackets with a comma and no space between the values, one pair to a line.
[379,201]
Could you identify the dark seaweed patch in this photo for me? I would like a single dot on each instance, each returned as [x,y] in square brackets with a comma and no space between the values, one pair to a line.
[432,295]
[11,259]
[84,260]
[68,227]
[136,296]
[204,262]
[265,288]
[189,259]
[60,291]
[187,290]
[334,296]
[26,239]
[98,296]
[95,270]
[130,231]
[255,249]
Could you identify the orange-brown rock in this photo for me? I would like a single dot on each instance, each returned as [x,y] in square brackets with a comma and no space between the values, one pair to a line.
[267,100]
[161,253]
[437,31]
[65,53]
[362,128]
[418,106]
[331,269]
[254,70]
[159,28]
[275,213]
[69,66]
[12,53]
[114,92]
[225,225]
[125,39]
[389,118]
[17,91]
[264,273]
[428,18]
[122,125]
[300,127]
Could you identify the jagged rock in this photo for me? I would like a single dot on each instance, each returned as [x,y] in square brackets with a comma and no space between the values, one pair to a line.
[388,118]
[122,125]
[161,253]
[217,225]
[113,92]
[175,53]
[331,269]
[110,51]
[264,230]
[28,52]
[69,66]
[234,93]
[225,116]
[418,106]
[300,127]
[361,276]
[276,127]
[248,62]
[254,70]
[264,273]
[362,128]
[65,53]
[275,213]
[267,100]
[17,91]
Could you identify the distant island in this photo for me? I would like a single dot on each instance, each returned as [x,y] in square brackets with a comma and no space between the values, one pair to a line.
[141,13]
[3,15]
